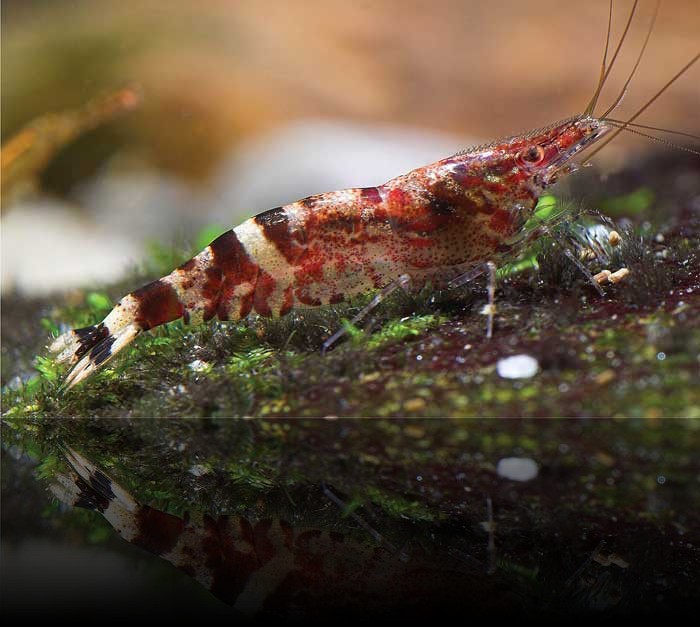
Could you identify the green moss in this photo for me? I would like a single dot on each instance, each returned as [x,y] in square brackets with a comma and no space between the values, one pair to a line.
[398,330]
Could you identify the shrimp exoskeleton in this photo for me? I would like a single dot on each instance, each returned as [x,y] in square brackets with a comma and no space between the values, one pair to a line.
[446,223]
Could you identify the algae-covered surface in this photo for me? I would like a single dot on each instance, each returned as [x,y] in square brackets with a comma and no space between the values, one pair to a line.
[609,528]
[634,352]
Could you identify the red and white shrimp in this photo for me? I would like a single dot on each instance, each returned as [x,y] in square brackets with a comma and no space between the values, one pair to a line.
[445,223]
[271,567]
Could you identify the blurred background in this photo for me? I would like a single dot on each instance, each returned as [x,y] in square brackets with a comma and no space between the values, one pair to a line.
[245,105]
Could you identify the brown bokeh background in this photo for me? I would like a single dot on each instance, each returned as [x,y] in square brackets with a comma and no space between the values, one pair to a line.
[216,72]
[248,104]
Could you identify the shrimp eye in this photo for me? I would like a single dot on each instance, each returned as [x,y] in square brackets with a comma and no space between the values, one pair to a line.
[533,155]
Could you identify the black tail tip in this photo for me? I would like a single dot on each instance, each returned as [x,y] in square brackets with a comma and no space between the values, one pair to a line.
[89,337]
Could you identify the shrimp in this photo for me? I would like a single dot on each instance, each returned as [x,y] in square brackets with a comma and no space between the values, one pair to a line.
[445,223]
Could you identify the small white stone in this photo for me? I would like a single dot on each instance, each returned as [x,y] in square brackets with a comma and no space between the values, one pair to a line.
[516,468]
[198,365]
[517,367]
[199,470]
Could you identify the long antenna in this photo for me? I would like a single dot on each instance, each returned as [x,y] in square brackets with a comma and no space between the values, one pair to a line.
[639,58]
[663,141]
[650,128]
[645,107]
[614,57]
[594,99]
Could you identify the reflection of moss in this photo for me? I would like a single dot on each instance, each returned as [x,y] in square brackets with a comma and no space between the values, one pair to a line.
[419,485]
[413,469]
[399,506]
[168,450]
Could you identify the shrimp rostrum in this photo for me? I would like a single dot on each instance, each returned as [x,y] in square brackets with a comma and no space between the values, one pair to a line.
[446,223]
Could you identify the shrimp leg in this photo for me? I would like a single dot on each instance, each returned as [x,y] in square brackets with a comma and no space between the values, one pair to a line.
[402,282]
[490,308]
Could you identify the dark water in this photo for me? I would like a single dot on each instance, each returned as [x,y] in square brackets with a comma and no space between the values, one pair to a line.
[608,529]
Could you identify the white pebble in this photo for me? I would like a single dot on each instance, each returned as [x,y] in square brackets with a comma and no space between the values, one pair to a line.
[516,468]
[517,367]
[198,365]
[199,470]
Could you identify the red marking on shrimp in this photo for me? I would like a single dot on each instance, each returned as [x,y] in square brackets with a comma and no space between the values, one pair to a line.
[288,301]
[398,204]
[231,257]
[275,225]
[158,303]
[211,291]
[304,297]
[188,266]
[263,291]
[371,195]
[312,270]
[501,221]
[159,531]
[246,305]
